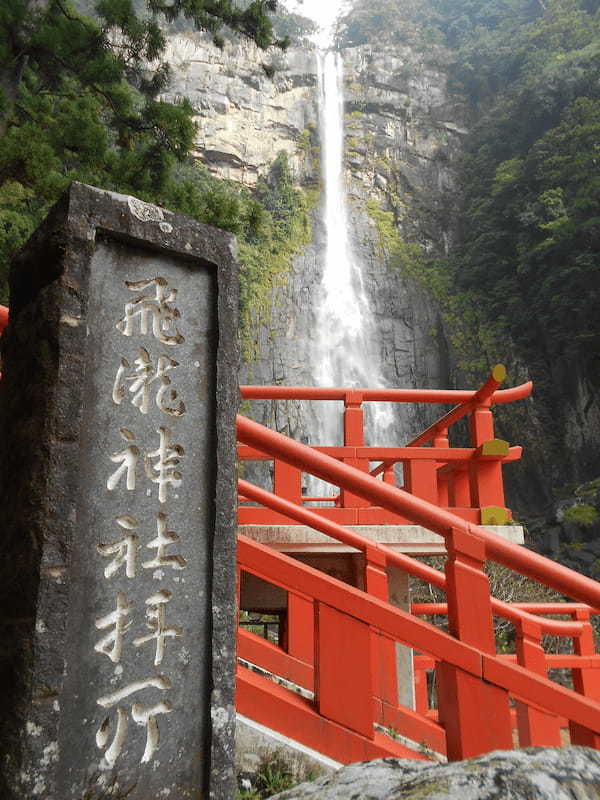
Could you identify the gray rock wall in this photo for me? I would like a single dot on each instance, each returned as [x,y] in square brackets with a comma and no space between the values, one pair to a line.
[244,117]
[402,136]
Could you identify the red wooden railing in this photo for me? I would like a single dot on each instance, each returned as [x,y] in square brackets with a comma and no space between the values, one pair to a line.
[583,663]
[340,637]
[467,480]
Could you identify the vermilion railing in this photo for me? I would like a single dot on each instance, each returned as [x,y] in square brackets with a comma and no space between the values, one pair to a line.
[341,639]
[467,480]
[344,634]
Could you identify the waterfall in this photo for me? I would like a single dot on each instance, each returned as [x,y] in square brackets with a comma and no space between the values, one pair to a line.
[347,351]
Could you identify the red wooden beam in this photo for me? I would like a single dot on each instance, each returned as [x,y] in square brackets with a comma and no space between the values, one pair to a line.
[418,511]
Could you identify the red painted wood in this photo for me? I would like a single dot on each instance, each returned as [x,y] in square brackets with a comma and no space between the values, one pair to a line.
[586,680]
[383,649]
[536,728]
[273,659]
[459,487]
[419,511]
[420,479]
[556,699]
[475,715]
[399,625]
[473,683]
[354,433]
[421,692]
[343,676]
[293,716]
[300,630]
[413,725]
[287,482]
[351,499]
[438,396]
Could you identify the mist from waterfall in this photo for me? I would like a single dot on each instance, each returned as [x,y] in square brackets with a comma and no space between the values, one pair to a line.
[347,351]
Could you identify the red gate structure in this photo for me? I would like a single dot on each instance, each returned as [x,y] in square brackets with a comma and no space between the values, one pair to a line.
[327,685]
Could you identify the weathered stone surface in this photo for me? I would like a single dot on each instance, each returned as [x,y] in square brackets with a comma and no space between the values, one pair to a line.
[116,434]
[533,773]
[244,117]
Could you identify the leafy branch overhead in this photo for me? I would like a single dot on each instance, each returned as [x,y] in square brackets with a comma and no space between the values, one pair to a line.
[80,98]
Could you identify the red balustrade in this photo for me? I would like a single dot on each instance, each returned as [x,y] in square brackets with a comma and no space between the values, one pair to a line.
[340,640]
[467,480]
[342,627]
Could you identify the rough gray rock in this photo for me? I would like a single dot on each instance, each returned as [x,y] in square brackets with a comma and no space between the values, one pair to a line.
[568,773]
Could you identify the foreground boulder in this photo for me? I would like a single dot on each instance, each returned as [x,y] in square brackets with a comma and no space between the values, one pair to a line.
[535,773]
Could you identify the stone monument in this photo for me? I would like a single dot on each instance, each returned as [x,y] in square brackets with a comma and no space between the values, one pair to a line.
[117,478]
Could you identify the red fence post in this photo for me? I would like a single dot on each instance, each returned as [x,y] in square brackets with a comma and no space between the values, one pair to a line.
[354,436]
[487,488]
[475,714]
[389,475]
[536,728]
[459,488]
[384,662]
[421,479]
[421,689]
[343,677]
[300,628]
[586,680]
[287,482]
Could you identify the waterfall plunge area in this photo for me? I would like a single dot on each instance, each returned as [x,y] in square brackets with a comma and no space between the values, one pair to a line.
[347,351]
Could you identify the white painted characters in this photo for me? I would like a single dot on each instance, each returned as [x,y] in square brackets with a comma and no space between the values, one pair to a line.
[142,715]
[140,378]
[156,313]
[146,379]
[165,471]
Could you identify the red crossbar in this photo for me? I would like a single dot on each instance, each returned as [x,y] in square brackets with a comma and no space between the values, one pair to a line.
[420,512]
[474,684]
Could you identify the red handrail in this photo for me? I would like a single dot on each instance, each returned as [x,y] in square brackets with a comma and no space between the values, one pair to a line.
[481,396]
[419,511]
[411,565]
[469,693]
[401,626]
[440,396]
[3,318]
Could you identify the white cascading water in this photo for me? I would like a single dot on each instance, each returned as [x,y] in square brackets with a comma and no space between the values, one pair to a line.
[347,351]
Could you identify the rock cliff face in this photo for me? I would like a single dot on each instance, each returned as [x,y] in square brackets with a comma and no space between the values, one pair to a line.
[244,117]
[404,133]
[402,137]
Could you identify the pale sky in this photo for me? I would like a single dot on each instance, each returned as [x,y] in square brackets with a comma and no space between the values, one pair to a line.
[323,12]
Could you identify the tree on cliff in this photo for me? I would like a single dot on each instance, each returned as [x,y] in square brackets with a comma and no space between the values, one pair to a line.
[79,98]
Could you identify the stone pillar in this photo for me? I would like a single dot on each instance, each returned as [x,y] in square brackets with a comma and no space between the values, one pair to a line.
[117,448]
[399,593]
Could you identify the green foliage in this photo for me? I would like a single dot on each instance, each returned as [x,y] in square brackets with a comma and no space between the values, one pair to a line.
[282,228]
[582,514]
[78,102]
[527,276]
[374,21]
[274,775]
[475,340]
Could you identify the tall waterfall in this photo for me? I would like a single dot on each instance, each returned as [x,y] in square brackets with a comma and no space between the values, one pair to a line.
[347,351]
